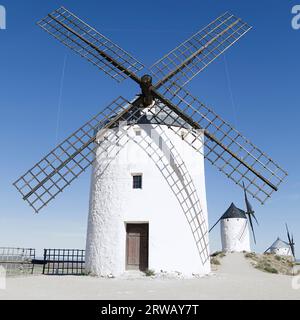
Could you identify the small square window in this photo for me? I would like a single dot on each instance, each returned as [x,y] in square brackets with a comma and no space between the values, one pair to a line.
[138,132]
[137,181]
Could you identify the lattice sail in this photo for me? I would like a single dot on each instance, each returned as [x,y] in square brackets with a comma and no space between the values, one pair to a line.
[68,160]
[89,43]
[73,156]
[191,57]
[227,149]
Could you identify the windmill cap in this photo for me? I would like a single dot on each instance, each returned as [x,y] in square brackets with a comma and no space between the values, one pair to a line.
[161,115]
[234,212]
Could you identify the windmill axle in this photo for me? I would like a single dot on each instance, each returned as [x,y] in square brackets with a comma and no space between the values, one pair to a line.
[146,88]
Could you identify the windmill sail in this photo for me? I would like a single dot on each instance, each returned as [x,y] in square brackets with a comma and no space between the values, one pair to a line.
[291,241]
[214,225]
[252,227]
[248,205]
[61,166]
[250,213]
[90,44]
[225,147]
[183,63]
[50,176]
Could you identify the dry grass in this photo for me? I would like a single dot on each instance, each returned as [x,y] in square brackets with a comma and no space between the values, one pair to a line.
[218,254]
[271,263]
[215,259]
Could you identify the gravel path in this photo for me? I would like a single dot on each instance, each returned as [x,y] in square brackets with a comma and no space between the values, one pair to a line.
[235,279]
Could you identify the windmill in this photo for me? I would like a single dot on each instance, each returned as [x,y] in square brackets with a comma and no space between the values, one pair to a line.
[235,227]
[169,106]
[283,248]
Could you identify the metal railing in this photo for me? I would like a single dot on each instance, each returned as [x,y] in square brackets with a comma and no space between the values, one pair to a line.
[64,262]
[17,261]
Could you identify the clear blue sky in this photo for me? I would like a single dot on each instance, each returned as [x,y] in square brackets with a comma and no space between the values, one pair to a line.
[259,94]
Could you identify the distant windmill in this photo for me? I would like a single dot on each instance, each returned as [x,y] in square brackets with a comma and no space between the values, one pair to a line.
[283,248]
[139,209]
[235,227]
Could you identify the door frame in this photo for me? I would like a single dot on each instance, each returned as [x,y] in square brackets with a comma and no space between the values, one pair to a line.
[126,243]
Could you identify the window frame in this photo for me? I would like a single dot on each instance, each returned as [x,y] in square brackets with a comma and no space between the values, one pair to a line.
[137,184]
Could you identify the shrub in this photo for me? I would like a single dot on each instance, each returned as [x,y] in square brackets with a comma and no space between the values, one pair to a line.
[290,264]
[149,273]
[215,254]
[215,261]
[270,269]
[250,255]
[278,258]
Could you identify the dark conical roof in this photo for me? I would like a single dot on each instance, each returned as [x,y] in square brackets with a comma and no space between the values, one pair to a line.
[234,212]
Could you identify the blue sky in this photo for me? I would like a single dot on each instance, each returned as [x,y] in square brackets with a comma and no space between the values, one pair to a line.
[255,87]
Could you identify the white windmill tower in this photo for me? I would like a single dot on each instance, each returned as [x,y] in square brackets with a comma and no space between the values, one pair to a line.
[148,203]
[234,226]
[234,230]
[145,210]
[280,248]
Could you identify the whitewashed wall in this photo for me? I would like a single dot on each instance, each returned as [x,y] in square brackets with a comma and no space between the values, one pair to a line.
[113,202]
[235,235]
[281,251]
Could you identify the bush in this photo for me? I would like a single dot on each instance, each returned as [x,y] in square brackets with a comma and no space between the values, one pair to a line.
[215,254]
[215,261]
[219,254]
[250,255]
[149,273]
[266,266]
[267,254]
[278,258]
[270,269]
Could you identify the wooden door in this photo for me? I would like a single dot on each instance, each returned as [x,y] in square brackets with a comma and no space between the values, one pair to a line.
[137,242]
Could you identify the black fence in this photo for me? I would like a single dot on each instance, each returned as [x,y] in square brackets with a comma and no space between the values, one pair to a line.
[17,261]
[22,261]
[64,262]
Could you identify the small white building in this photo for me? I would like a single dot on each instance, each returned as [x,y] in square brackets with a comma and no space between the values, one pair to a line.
[234,230]
[147,203]
[280,248]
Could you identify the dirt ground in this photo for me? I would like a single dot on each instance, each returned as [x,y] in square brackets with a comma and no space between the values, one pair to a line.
[235,278]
